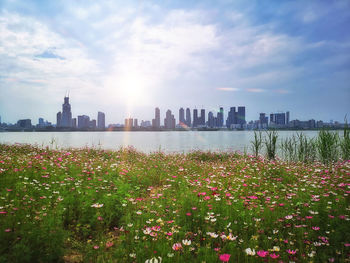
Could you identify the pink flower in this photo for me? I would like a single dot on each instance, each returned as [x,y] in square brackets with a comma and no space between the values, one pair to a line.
[8,230]
[274,256]
[291,252]
[100,218]
[225,257]
[177,246]
[188,214]
[109,244]
[315,228]
[262,253]
[96,247]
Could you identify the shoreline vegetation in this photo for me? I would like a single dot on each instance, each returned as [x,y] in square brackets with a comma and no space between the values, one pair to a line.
[94,205]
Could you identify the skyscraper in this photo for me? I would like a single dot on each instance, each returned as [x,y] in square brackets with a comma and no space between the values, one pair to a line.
[278,118]
[220,117]
[101,124]
[232,117]
[287,117]
[202,118]
[181,116]
[263,120]
[169,121]
[58,119]
[195,118]
[66,120]
[83,121]
[156,120]
[241,116]
[211,120]
[188,117]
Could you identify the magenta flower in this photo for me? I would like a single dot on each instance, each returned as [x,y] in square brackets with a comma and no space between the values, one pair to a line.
[262,253]
[274,256]
[291,252]
[224,257]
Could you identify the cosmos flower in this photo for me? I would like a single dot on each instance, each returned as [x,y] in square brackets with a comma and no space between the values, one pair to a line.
[177,246]
[224,257]
[250,252]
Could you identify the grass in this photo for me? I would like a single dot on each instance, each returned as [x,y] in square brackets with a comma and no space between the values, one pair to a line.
[91,205]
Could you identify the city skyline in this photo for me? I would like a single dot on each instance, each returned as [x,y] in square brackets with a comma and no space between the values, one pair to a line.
[126,58]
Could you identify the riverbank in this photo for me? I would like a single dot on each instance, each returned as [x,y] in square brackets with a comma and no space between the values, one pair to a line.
[125,206]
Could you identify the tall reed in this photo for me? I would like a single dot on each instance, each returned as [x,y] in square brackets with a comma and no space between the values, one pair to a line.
[257,143]
[327,146]
[270,144]
[345,143]
[288,147]
[306,148]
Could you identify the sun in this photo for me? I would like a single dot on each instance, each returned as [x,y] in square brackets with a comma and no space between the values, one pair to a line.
[132,89]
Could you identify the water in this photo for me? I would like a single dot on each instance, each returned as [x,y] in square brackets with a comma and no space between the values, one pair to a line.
[182,141]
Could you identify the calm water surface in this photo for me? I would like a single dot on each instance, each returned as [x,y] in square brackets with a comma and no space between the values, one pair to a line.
[144,141]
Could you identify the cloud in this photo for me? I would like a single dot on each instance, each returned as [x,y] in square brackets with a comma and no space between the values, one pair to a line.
[227,89]
[255,90]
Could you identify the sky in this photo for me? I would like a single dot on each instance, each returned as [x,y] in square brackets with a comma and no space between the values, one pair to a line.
[127,57]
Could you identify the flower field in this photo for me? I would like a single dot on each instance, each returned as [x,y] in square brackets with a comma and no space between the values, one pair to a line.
[91,205]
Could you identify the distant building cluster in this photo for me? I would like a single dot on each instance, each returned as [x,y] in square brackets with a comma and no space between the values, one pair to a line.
[64,119]
[235,120]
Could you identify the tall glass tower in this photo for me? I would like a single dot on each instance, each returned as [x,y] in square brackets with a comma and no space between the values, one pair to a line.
[66,120]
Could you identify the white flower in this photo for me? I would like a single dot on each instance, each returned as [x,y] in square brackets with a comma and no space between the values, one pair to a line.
[276,248]
[213,235]
[250,252]
[170,255]
[154,260]
[186,242]
[97,205]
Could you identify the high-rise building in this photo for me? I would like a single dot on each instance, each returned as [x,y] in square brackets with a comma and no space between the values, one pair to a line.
[202,118]
[220,117]
[263,120]
[195,118]
[287,117]
[74,123]
[136,123]
[92,124]
[278,119]
[156,120]
[188,117]
[25,124]
[169,121]
[83,122]
[58,119]
[232,117]
[101,121]
[66,120]
[241,115]
[129,123]
[211,120]
[182,116]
